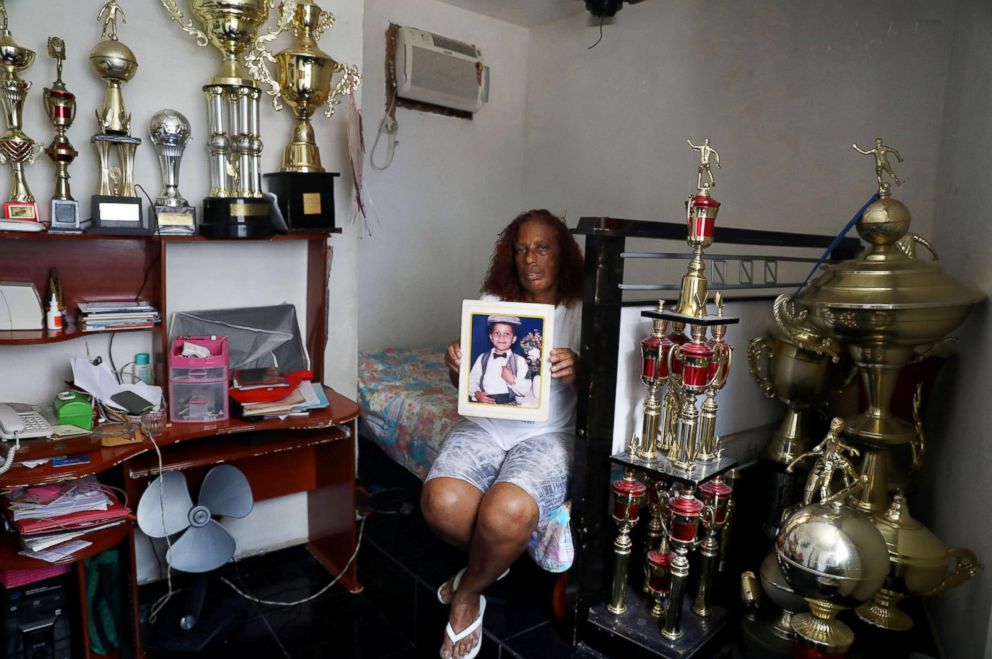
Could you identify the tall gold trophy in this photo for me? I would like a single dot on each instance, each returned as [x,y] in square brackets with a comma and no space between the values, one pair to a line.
[237,207]
[60,105]
[304,81]
[16,148]
[115,208]
[885,307]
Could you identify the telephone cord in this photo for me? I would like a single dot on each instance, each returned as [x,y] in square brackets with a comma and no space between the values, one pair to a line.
[9,460]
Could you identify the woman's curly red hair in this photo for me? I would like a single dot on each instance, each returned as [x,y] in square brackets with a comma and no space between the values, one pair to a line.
[503,280]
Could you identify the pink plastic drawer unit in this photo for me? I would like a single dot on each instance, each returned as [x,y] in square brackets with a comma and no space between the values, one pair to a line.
[198,385]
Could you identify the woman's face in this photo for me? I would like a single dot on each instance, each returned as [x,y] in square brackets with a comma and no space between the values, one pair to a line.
[536,256]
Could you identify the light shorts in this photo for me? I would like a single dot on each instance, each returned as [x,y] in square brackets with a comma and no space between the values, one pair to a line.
[538,465]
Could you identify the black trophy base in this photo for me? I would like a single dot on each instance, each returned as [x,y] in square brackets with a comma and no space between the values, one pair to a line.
[119,216]
[306,199]
[238,217]
[636,634]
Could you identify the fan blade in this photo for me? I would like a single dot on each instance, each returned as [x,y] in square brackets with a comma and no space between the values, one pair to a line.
[201,548]
[225,492]
[165,505]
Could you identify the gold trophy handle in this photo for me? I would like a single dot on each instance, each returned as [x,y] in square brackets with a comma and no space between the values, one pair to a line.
[786,317]
[256,59]
[324,23]
[348,83]
[724,373]
[185,23]
[754,348]
[966,565]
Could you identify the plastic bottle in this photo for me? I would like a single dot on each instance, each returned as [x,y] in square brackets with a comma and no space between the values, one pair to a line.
[53,319]
[142,368]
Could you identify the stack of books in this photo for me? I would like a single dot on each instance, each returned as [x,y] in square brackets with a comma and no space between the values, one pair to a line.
[116,315]
[52,520]
[298,401]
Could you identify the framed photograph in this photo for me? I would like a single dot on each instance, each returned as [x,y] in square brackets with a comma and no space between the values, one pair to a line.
[505,371]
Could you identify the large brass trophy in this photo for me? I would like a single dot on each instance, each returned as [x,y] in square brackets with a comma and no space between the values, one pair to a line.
[885,307]
[304,81]
[115,208]
[236,207]
[16,148]
[60,105]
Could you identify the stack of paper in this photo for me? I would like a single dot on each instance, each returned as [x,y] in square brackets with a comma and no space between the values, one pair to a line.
[47,516]
[105,315]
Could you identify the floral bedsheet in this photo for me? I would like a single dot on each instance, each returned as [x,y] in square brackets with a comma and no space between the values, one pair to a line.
[408,403]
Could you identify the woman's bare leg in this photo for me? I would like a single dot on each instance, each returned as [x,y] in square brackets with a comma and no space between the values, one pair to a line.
[507,516]
[450,507]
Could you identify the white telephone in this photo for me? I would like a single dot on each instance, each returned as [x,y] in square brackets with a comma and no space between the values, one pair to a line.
[22,425]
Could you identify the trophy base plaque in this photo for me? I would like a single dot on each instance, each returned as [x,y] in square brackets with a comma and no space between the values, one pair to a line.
[238,217]
[175,220]
[65,216]
[20,210]
[306,199]
[114,215]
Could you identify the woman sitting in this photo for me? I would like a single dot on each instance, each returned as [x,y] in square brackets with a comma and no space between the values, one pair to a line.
[496,479]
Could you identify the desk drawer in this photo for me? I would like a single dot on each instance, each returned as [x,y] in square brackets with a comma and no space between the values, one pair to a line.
[198,402]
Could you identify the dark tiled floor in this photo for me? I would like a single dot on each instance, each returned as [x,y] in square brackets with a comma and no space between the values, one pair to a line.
[396,617]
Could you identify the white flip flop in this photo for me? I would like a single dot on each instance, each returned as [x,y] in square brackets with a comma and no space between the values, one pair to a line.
[457,580]
[476,624]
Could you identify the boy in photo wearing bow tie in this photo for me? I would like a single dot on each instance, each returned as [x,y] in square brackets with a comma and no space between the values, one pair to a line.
[499,376]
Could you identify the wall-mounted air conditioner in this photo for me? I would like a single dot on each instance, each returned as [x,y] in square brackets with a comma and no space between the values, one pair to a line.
[438,70]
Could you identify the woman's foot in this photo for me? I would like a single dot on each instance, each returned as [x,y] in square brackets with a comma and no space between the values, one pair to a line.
[447,590]
[466,612]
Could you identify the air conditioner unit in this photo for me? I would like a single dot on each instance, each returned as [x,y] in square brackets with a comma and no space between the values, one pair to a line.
[438,70]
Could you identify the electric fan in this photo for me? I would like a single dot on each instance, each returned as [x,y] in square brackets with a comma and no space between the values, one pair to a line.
[165,510]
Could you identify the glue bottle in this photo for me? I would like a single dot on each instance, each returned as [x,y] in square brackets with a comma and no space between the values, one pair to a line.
[53,319]
[142,368]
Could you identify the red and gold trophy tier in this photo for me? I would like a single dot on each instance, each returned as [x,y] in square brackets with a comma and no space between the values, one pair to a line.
[674,466]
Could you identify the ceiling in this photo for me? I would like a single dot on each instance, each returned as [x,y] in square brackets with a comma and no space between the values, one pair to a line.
[527,13]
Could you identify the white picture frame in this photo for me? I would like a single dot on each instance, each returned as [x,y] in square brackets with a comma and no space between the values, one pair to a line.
[528,397]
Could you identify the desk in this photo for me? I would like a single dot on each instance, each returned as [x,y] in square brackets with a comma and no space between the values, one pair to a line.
[313,454]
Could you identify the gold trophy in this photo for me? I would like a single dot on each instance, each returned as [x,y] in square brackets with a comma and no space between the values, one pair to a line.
[60,105]
[918,565]
[236,207]
[115,208]
[802,370]
[885,306]
[829,553]
[16,148]
[304,81]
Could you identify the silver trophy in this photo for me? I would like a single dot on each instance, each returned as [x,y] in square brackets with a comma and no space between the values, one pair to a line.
[169,132]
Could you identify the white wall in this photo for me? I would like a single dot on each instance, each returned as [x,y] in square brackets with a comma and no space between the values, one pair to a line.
[959,447]
[781,88]
[171,73]
[453,185]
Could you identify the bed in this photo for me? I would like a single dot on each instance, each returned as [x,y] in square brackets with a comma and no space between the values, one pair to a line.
[408,405]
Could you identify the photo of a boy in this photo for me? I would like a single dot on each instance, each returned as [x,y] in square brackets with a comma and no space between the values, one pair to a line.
[499,376]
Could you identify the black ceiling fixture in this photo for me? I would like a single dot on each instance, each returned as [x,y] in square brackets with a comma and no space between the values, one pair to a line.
[604,8]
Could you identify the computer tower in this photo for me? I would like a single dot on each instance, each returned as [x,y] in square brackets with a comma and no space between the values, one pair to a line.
[37,620]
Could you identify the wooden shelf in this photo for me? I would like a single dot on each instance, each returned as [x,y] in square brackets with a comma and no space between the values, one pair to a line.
[45,235]
[71,331]
[10,545]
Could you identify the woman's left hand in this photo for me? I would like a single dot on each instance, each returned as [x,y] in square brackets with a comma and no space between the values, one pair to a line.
[564,365]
